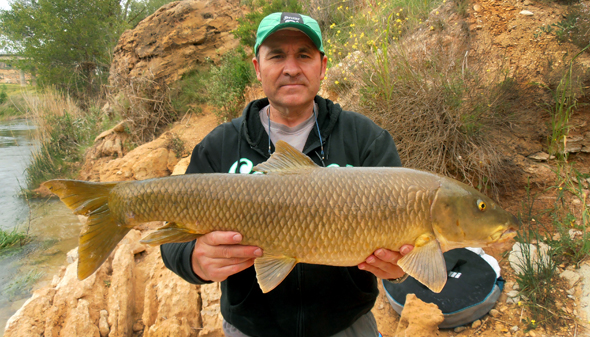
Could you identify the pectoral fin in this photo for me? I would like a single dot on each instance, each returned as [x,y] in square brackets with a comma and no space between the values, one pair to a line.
[271,270]
[426,263]
[170,232]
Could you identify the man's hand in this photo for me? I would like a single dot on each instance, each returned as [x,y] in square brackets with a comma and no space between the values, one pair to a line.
[218,255]
[383,262]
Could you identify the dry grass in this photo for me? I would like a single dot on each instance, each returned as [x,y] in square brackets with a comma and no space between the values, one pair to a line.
[440,104]
[146,103]
[63,132]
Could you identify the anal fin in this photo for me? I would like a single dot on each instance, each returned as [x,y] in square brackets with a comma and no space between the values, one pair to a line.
[271,270]
[170,232]
[426,263]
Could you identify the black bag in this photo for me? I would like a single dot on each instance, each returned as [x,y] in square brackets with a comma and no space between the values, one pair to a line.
[471,290]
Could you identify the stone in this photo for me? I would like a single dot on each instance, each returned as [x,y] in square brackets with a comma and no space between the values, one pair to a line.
[103,325]
[419,318]
[133,239]
[527,13]
[459,329]
[514,329]
[55,281]
[570,276]
[181,166]
[211,310]
[174,39]
[477,7]
[138,326]
[495,313]
[170,302]
[521,252]
[154,165]
[121,299]
[540,156]
[476,324]
[29,320]
[72,256]
[79,322]
[526,2]
[574,233]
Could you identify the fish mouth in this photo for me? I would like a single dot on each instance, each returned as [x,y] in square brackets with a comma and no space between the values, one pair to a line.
[507,235]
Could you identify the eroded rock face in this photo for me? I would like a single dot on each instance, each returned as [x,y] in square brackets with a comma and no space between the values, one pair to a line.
[171,41]
[170,303]
[419,318]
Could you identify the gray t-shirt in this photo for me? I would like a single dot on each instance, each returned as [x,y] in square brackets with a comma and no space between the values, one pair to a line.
[295,136]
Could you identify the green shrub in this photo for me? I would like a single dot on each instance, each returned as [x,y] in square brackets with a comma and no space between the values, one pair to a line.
[191,90]
[3,94]
[228,83]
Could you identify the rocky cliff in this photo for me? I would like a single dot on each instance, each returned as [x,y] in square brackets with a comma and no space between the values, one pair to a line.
[177,37]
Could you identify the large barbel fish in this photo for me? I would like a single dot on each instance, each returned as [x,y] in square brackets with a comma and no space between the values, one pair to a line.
[297,212]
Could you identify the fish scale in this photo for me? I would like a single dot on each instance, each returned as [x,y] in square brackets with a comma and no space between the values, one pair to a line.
[296,212]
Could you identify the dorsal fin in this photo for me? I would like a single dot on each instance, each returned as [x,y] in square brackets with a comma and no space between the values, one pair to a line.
[286,159]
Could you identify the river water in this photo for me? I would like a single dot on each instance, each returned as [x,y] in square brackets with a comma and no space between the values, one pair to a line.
[53,227]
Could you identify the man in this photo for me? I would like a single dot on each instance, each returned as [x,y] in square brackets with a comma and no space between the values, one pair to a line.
[313,300]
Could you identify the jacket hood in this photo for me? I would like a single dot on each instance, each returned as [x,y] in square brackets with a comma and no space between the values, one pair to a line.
[251,130]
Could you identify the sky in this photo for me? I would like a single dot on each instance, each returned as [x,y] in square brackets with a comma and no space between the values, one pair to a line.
[4,4]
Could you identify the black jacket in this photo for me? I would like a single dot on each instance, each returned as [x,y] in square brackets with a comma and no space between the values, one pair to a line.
[314,300]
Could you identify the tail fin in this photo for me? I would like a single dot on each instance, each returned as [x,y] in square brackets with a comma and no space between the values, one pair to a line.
[102,231]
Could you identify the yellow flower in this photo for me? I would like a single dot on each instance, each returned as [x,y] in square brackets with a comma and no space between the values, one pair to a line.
[336,82]
[352,25]
[431,27]
[338,32]
[330,59]
[319,8]
[328,40]
[345,78]
[397,14]
[436,12]
[347,9]
[362,35]
[533,321]
[519,303]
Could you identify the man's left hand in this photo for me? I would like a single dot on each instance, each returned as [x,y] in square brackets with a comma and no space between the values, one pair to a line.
[383,262]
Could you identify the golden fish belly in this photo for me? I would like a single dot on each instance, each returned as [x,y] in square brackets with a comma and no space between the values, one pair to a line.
[333,216]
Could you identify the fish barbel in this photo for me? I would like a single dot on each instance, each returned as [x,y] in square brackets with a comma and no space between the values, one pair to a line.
[297,212]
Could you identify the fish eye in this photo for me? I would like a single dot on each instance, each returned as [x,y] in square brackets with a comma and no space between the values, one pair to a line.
[481,205]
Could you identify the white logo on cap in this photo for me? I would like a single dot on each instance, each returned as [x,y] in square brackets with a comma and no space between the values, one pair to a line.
[291,19]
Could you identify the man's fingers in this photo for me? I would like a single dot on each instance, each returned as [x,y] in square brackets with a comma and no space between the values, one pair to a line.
[380,273]
[221,238]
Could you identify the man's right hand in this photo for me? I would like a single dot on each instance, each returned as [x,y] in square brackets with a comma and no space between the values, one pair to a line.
[218,255]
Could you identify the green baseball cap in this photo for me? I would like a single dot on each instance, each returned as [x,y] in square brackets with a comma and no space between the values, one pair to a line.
[276,21]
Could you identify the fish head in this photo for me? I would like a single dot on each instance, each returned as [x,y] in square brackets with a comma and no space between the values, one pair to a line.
[464,217]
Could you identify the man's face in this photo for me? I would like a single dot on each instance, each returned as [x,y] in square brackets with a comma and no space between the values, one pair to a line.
[290,68]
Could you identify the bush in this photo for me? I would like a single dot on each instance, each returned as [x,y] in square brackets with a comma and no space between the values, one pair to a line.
[3,94]
[228,83]
[191,91]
